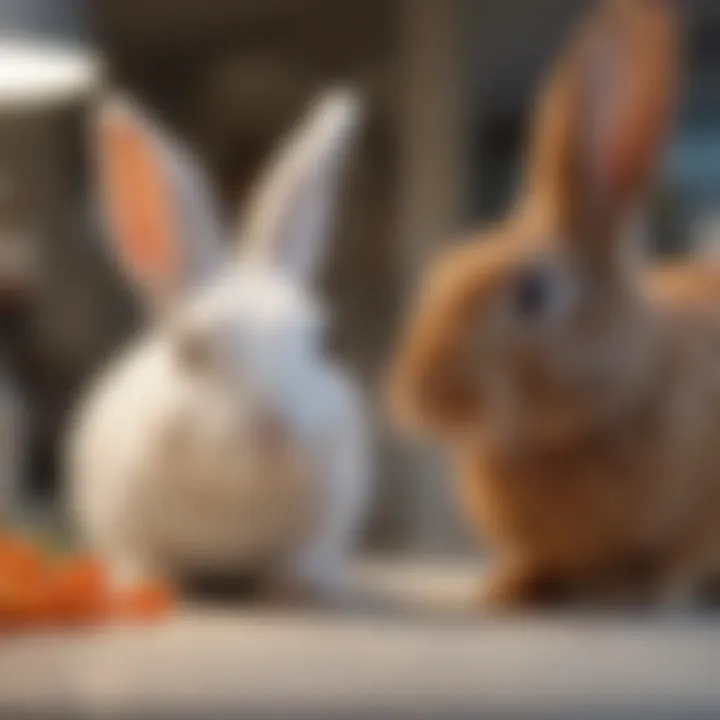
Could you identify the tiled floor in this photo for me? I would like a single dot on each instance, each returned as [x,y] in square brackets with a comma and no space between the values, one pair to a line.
[420,655]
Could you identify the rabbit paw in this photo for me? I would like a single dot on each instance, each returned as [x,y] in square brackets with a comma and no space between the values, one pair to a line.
[512,588]
[678,595]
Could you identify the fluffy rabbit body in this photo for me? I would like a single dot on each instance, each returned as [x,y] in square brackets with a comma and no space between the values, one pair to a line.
[224,440]
[577,391]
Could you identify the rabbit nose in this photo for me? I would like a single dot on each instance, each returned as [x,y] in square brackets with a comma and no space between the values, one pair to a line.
[271,429]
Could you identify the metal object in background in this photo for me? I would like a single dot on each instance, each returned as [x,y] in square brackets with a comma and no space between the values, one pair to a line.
[43,84]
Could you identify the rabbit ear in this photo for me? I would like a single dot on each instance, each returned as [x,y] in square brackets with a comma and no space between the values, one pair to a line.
[157,204]
[550,176]
[606,113]
[631,87]
[290,214]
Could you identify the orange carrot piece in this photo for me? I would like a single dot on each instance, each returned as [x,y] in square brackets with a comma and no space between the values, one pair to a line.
[145,602]
[80,590]
[18,559]
[35,592]
[23,604]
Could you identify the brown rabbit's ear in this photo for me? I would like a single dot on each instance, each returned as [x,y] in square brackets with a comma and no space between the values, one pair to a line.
[553,141]
[630,94]
[606,113]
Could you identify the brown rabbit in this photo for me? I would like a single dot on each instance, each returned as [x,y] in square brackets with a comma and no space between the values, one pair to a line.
[580,396]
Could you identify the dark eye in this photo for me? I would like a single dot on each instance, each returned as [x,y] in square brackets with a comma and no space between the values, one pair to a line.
[533,292]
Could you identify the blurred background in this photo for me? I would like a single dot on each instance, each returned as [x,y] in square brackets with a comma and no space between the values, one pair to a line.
[449,84]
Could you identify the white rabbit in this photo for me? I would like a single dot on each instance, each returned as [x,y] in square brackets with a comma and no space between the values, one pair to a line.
[224,440]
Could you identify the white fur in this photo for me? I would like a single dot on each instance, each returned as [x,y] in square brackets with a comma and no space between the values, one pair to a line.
[167,474]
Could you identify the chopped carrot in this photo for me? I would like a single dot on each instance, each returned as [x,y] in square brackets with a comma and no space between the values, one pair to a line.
[30,604]
[35,592]
[21,583]
[18,559]
[80,590]
[145,602]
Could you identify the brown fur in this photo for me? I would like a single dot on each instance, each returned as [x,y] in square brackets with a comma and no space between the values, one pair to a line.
[587,446]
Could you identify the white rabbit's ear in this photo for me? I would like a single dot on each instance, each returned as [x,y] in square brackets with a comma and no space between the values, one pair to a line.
[290,214]
[156,201]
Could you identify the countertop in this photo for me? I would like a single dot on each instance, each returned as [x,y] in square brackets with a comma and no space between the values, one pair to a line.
[413,647]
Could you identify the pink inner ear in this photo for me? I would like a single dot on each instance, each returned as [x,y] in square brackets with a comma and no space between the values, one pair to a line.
[638,67]
[139,205]
[621,166]
[605,110]
[626,146]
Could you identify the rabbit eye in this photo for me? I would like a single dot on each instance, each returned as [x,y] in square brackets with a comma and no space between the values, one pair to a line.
[533,293]
[542,292]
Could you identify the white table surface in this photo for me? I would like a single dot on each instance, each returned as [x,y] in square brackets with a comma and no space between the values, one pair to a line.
[425,655]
